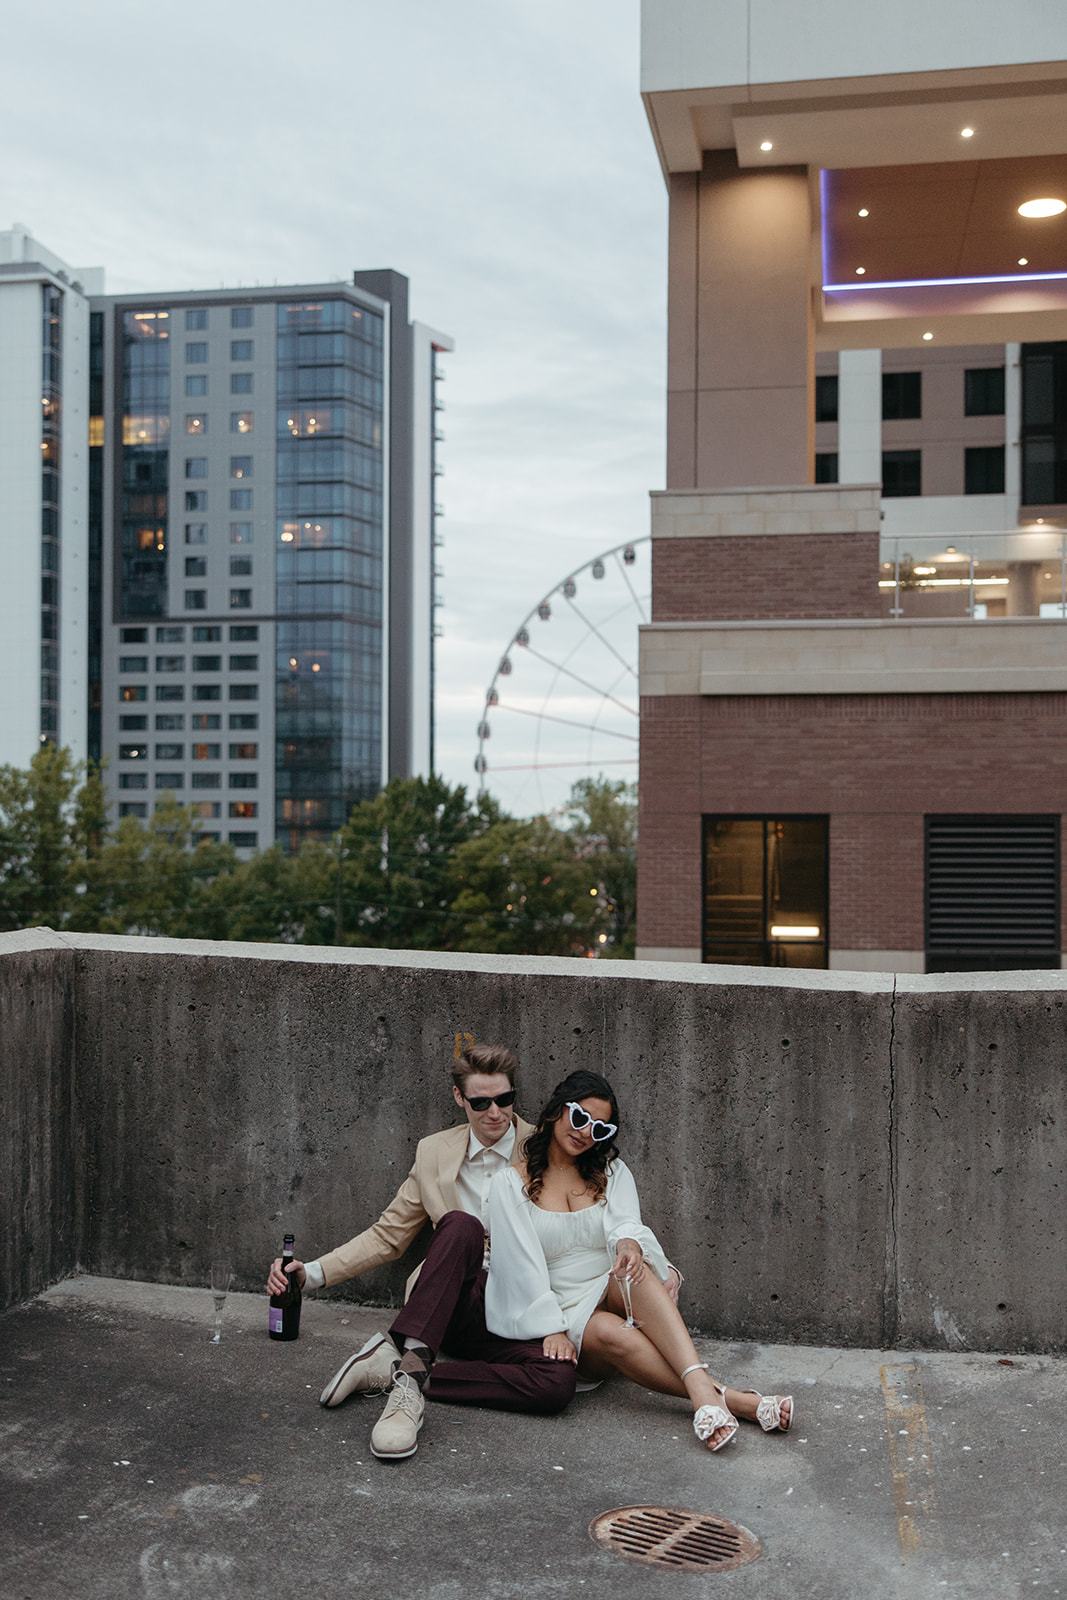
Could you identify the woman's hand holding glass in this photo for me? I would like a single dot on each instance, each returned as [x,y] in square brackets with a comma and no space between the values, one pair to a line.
[558,1347]
[629,1261]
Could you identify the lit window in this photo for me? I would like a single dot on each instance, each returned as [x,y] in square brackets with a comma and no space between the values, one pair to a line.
[133,752]
[206,808]
[244,752]
[196,422]
[241,421]
[204,752]
[240,533]
[240,466]
[244,808]
[132,691]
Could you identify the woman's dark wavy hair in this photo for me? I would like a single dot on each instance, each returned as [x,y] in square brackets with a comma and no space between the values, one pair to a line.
[593,1163]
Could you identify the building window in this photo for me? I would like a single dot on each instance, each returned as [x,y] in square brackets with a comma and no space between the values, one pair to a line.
[196,319]
[133,635]
[240,533]
[244,780]
[196,533]
[132,724]
[170,752]
[205,721]
[826,399]
[196,422]
[210,633]
[902,396]
[133,752]
[241,350]
[244,808]
[244,752]
[244,691]
[196,566]
[766,891]
[826,466]
[170,635]
[132,691]
[206,808]
[983,392]
[170,780]
[244,663]
[243,841]
[901,474]
[205,752]
[196,352]
[170,691]
[170,721]
[196,499]
[240,499]
[240,599]
[207,663]
[207,691]
[195,385]
[133,808]
[992,893]
[240,566]
[240,466]
[196,466]
[170,663]
[133,663]
[243,632]
[983,469]
[241,421]
[240,383]
[196,599]
[1044,424]
[133,780]
[241,316]
[240,720]
[207,780]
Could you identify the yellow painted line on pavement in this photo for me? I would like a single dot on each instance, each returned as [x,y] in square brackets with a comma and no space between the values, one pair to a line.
[909,1455]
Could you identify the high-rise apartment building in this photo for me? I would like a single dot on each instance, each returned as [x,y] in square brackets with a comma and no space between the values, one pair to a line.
[258,536]
[44,497]
[854,682]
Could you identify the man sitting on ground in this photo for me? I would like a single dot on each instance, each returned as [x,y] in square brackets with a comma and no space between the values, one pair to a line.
[449,1184]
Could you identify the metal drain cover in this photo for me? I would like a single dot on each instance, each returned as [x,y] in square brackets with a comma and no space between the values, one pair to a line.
[684,1541]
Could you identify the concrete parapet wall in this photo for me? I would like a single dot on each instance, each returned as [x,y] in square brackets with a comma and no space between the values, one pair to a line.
[829,1157]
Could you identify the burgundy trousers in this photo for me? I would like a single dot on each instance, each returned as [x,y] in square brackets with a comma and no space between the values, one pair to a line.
[447,1310]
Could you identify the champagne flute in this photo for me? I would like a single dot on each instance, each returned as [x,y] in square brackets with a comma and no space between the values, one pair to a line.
[221,1278]
[629,1323]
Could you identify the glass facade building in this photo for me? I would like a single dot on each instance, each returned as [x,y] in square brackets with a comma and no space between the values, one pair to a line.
[51,412]
[145,462]
[328,563]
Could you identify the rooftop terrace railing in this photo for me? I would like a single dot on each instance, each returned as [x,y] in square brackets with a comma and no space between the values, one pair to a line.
[974,577]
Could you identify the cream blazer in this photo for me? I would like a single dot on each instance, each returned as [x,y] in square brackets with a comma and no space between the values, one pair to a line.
[426,1194]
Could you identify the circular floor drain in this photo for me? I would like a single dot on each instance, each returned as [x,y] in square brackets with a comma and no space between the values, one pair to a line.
[685,1541]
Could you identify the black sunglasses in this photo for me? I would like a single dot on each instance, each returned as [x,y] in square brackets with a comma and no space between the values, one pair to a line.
[482,1102]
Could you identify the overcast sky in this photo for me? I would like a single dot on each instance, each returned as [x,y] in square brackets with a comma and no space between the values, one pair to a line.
[494,151]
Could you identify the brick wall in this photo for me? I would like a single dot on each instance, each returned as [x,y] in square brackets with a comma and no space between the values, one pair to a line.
[876,764]
[773,577]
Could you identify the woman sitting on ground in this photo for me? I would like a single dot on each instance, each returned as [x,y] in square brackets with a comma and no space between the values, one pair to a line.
[572,1264]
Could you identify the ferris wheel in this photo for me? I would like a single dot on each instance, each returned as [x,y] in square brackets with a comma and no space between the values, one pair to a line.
[563,701]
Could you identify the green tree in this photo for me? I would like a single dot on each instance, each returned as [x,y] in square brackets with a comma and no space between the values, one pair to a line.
[42,821]
[520,889]
[603,831]
[394,860]
[159,879]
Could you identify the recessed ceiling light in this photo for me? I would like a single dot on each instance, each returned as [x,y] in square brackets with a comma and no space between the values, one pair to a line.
[966,133]
[1024,261]
[865,212]
[766,145]
[1042,208]
[927,335]
[860,271]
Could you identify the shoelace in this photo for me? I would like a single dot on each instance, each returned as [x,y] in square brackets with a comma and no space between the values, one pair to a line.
[406,1396]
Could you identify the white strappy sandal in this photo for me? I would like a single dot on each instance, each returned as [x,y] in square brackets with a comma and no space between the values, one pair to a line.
[769,1411]
[710,1420]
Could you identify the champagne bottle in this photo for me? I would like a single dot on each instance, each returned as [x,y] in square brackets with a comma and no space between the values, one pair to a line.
[284,1317]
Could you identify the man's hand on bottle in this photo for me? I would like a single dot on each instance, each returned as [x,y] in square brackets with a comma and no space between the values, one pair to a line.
[278,1282]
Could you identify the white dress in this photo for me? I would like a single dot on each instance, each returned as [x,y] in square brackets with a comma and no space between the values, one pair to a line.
[548,1270]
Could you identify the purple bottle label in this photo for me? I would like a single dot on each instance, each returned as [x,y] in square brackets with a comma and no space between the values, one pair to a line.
[275,1319]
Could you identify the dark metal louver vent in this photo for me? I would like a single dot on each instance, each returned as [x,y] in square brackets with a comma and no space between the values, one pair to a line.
[992,893]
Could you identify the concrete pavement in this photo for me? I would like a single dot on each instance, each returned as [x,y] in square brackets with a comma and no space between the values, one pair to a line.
[139,1460]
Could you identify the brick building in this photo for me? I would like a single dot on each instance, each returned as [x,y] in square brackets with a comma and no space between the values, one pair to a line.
[854,682]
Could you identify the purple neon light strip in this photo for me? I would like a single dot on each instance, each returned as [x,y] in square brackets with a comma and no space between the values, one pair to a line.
[937,283]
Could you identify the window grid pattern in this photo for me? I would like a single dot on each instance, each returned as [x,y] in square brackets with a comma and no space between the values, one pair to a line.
[145,462]
[51,395]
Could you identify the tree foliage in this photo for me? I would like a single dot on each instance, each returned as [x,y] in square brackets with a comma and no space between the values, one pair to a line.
[421,866]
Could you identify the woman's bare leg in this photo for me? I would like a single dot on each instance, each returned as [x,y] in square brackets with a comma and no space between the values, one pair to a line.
[655,1354]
